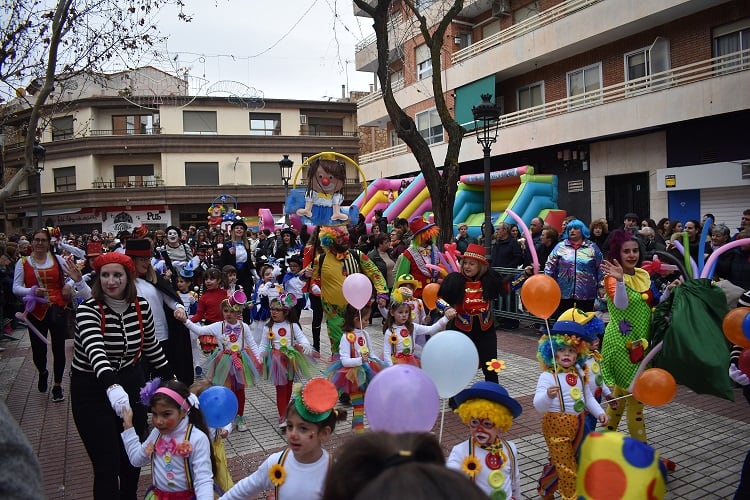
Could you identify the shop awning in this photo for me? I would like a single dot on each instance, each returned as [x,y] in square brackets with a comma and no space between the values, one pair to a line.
[53,211]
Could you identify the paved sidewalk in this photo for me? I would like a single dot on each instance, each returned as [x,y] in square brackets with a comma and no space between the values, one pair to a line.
[707,437]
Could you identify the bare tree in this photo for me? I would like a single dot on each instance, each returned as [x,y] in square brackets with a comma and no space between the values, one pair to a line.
[47,45]
[442,187]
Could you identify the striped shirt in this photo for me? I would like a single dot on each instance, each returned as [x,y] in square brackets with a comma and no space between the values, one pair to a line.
[120,344]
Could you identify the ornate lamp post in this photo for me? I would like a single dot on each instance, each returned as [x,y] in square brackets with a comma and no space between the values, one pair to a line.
[486,123]
[285,167]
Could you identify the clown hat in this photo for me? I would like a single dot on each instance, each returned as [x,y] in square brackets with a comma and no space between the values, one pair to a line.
[476,252]
[115,258]
[418,225]
[315,400]
[407,279]
[591,327]
[93,248]
[138,247]
[490,391]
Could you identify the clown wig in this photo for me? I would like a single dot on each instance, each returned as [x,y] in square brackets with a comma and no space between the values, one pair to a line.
[328,234]
[430,234]
[548,346]
[481,409]
[578,225]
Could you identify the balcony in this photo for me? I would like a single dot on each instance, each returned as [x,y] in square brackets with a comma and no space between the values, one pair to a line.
[142,131]
[112,184]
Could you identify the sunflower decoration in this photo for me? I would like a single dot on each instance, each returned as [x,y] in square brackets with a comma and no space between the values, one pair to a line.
[393,339]
[269,335]
[471,466]
[495,365]
[277,475]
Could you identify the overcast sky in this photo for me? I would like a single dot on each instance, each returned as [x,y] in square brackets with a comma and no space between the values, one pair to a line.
[289,49]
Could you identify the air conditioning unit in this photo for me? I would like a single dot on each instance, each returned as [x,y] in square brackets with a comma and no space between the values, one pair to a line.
[303,119]
[500,8]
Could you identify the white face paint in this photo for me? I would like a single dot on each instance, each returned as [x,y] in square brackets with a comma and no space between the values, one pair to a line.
[172,235]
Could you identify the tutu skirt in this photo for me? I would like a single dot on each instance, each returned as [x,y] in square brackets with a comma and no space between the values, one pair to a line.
[240,367]
[355,378]
[406,359]
[284,365]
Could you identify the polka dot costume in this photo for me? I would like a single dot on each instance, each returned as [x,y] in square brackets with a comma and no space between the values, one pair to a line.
[613,465]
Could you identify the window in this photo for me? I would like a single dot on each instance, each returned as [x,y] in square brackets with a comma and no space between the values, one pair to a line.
[429,125]
[642,63]
[265,123]
[203,173]
[62,128]
[266,173]
[397,79]
[462,40]
[393,138]
[530,96]
[135,124]
[424,63]
[318,125]
[525,12]
[133,176]
[585,85]
[65,179]
[490,29]
[422,5]
[729,39]
[199,122]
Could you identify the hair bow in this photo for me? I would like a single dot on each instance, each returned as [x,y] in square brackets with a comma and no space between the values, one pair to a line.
[287,300]
[148,390]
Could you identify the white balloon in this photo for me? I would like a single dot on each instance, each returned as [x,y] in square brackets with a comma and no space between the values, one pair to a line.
[451,360]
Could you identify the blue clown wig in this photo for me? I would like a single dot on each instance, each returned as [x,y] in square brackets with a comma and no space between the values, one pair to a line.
[577,224]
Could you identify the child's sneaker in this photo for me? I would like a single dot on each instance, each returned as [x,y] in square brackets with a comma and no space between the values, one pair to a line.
[241,424]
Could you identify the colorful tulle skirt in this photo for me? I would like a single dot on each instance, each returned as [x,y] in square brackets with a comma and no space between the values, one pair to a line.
[287,364]
[355,378]
[239,367]
[406,359]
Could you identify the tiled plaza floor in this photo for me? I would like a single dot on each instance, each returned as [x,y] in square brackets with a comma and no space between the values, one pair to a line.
[707,437]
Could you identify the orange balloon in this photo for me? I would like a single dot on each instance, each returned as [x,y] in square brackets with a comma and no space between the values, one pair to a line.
[540,295]
[655,387]
[430,295]
[732,326]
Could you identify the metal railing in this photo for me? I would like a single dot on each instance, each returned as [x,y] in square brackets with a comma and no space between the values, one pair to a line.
[142,131]
[111,184]
[683,75]
[370,98]
[508,304]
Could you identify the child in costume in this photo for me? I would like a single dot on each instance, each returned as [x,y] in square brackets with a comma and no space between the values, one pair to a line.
[593,329]
[222,477]
[178,448]
[407,285]
[486,457]
[190,300]
[236,362]
[293,282]
[562,394]
[282,361]
[209,303]
[229,273]
[266,289]
[356,366]
[401,344]
[301,468]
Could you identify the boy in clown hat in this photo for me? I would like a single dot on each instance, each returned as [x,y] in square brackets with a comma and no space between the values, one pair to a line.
[562,395]
[404,291]
[486,457]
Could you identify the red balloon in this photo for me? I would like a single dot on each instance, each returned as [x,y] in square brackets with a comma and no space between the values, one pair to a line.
[540,295]
[744,362]
[733,326]
[655,387]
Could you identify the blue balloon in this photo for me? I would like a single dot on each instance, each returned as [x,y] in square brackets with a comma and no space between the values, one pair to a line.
[746,326]
[218,405]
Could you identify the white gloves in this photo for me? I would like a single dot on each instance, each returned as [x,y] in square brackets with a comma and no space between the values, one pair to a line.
[307,349]
[739,377]
[118,398]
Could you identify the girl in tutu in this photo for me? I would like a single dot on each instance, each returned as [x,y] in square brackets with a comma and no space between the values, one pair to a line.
[401,344]
[354,370]
[281,345]
[236,362]
[266,290]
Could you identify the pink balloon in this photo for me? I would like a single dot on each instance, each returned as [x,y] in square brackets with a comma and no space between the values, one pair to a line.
[402,398]
[707,268]
[529,239]
[357,290]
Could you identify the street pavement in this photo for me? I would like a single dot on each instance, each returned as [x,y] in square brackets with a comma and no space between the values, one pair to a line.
[707,437]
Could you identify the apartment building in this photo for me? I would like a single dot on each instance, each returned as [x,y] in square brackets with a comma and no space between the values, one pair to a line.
[134,147]
[635,106]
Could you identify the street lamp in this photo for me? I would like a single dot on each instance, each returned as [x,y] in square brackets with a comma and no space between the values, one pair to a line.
[486,123]
[285,166]
[38,154]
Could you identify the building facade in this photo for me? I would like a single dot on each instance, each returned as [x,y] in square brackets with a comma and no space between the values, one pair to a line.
[134,148]
[635,106]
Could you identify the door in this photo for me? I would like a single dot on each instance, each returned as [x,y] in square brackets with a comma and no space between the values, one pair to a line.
[626,193]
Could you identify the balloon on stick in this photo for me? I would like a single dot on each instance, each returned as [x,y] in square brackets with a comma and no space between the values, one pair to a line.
[541,295]
[655,387]
[733,323]
[218,405]
[402,398]
[451,360]
[357,290]
[430,295]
